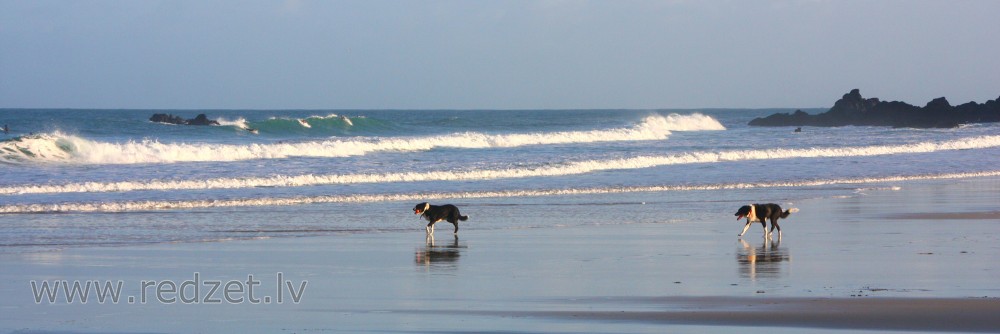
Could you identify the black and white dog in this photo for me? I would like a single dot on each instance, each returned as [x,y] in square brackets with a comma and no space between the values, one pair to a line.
[761,213]
[436,213]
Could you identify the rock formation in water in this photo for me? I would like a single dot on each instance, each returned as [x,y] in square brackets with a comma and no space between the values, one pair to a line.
[852,109]
[201,119]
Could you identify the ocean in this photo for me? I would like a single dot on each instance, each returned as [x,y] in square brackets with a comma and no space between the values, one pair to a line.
[79,178]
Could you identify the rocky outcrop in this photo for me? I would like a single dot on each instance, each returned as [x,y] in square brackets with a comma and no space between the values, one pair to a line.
[853,109]
[167,118]
[201,119]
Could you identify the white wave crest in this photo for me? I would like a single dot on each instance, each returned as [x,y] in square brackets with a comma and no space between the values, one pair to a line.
[74,149]
[328,116]
[677,122]
[130,206]
[570,168]
[239,122]
[41,147]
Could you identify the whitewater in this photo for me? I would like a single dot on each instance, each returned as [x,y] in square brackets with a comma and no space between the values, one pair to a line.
[125,206]
[58,147]
[72,177]
[563,169]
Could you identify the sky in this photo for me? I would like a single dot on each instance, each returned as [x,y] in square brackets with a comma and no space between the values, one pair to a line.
[555,54]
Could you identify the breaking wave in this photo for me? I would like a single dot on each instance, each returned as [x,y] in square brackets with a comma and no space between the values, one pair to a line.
[239,122]
[58,147]
[287,124]
[311,123]
[567,168]
[132,206]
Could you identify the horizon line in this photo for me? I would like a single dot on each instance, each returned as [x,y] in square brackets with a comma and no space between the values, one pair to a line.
[405,109]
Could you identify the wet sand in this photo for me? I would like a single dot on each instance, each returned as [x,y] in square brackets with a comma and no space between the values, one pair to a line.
[948,215]
[882,314]
[857,263]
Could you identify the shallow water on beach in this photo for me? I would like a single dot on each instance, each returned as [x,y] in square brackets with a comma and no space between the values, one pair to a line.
[77,178]
[614,273]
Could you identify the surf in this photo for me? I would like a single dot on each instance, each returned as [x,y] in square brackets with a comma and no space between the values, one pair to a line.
[132,206]
[58,147]
[563,168]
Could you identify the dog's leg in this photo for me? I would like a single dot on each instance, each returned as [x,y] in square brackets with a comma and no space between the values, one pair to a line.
[774,224]
[456,226]
[430,228]
[767,235]
[745,228]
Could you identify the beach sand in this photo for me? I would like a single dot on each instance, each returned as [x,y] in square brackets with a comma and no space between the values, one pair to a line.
[913,256]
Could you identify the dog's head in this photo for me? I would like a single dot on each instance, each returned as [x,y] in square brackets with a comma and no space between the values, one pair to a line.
[420,208]
[743,212]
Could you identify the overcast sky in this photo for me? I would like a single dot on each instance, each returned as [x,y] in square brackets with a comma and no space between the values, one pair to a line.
[493,54]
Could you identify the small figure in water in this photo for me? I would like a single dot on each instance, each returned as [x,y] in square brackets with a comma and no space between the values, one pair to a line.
[6,130]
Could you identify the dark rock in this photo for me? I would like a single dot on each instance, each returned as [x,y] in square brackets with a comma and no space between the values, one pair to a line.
[853,109]
[201,119]
[852,103]
[940,103]
[167,118]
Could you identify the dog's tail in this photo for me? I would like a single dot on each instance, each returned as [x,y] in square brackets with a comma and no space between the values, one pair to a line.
[788,212]
[463,218]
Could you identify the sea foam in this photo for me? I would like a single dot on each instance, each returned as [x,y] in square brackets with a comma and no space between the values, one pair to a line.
[239,122]
[128,206]
[559,169]
[59,147]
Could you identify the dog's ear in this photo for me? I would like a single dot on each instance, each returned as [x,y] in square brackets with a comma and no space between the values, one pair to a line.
[421,207]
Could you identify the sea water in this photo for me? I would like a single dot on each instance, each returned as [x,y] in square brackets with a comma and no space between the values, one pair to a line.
[74,178]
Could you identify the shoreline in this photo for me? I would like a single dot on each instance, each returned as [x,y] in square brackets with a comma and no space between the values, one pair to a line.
[855,263]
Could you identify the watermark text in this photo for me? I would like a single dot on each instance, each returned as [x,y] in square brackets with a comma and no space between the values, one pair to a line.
[196,290]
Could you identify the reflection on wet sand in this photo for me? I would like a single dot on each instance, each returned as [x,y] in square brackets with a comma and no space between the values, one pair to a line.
[439,254]
[764,261]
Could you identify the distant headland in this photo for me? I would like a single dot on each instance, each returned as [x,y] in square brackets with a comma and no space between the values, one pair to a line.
[852,109]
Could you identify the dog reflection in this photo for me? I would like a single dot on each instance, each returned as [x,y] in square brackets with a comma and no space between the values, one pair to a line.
[439,254]
[764,261]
